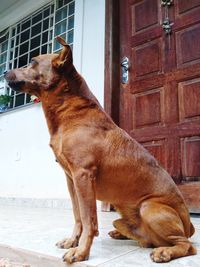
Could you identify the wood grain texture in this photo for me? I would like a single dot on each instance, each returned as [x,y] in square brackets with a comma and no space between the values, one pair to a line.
[159,106]
[112,66]
[164,122]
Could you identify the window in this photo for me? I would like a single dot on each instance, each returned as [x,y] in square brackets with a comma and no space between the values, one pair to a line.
[32,36]
[3,57]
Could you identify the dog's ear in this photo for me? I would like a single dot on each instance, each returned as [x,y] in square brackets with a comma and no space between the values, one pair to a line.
[65,56]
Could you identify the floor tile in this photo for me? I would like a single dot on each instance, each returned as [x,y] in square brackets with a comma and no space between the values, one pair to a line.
[140,258]
[38,229]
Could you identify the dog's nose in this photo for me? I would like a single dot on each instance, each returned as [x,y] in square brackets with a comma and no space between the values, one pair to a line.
[9,75]
[5,72]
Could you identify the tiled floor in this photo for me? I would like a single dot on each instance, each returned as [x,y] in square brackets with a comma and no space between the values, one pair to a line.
[38,229]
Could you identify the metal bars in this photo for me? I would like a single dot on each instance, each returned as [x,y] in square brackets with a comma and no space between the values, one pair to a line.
[32,36]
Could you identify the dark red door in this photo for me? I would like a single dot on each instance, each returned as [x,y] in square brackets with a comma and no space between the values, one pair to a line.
[160,104]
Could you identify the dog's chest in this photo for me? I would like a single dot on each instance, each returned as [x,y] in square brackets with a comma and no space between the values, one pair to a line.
[56,144]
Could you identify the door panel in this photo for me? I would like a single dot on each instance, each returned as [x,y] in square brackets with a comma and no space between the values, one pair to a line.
[149,108]
[140,22]
[190,151]
[189,92]
[160,106]
[185,5]
[144,65]
[188,50]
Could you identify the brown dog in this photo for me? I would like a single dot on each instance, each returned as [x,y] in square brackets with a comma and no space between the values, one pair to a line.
[103,162]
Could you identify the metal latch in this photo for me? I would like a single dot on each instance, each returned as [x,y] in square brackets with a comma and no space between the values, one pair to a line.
[167,26]
[166,2]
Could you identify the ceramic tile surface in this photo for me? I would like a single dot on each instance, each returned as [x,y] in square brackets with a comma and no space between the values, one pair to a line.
[38,229]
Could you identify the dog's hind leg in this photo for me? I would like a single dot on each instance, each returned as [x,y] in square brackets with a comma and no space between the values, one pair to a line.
[73,241]
[130,229]
[122,230]
[166,231]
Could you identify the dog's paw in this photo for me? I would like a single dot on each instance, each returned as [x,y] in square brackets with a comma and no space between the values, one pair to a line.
[162,254]
[116,235]
[68,243]
[74,255]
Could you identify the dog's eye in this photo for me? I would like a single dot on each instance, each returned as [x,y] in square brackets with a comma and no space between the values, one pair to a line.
[33,62]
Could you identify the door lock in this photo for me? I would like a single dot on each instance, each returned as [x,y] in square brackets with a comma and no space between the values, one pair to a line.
[125,69]
[167,26]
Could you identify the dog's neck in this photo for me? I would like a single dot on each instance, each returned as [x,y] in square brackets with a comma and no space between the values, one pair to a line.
[78,85]
[69,98]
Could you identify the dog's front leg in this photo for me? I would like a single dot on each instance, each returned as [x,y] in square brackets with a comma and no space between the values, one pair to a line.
[74,239]
[84,180]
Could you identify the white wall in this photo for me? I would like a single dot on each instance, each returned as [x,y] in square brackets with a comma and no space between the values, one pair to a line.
[89,44]
[27,164]
[28,167]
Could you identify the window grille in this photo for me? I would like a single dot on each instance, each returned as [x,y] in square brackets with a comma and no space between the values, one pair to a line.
[32,36]
[3,57]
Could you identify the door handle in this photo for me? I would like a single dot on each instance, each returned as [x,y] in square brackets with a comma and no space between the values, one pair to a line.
[125,69]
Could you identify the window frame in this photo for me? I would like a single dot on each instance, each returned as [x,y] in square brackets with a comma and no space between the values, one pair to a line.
[52,46]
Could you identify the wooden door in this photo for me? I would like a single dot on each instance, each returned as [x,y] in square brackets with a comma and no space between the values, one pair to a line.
[160,104]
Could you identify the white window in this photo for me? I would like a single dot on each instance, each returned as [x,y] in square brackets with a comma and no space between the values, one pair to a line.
[3,56]
[32,36]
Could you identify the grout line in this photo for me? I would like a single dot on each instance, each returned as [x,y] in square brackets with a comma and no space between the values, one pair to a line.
[114,258]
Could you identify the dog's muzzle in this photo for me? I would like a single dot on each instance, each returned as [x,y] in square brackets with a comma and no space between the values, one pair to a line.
[16,85]
[12,82]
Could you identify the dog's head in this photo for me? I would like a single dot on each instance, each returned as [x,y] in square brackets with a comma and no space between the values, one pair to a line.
[43,73]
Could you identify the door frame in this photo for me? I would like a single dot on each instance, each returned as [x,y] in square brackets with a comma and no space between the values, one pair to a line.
[112,60]
[112,66]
